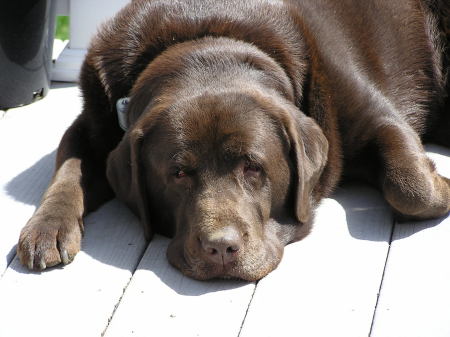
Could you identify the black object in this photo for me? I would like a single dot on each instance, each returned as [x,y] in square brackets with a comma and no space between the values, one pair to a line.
[27,29]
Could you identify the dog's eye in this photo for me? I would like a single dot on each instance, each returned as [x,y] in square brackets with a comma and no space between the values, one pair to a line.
[251,169]
[180,174]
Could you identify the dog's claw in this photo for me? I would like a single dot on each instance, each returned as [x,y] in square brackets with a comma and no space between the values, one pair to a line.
[30,264]
[65,257]
[42,265]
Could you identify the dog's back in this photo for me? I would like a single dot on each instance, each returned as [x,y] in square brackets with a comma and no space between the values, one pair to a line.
[440,10]
[396,47]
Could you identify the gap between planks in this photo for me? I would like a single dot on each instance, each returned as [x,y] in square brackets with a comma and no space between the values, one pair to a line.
[248,308]
[124,290]
[382,277]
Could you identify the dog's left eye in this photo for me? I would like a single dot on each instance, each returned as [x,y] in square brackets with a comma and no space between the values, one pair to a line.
[251,169]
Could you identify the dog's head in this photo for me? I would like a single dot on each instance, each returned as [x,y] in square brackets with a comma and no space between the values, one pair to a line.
[228,174]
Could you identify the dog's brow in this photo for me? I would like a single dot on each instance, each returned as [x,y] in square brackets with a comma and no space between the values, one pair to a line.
[184,158]
[247,155]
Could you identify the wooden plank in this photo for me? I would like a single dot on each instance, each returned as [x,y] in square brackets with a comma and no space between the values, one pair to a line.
[415,295]
[78,299]
[28,138]
[327,284]
[160,301]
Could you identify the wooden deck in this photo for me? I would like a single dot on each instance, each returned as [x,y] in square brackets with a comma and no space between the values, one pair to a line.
[358,274]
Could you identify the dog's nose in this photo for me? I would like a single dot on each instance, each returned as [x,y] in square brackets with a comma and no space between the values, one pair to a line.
[221,247]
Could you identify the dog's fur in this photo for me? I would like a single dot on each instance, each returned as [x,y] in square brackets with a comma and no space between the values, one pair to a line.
[242,116]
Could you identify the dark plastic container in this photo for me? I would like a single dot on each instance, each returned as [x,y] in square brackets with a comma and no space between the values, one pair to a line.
[27,29]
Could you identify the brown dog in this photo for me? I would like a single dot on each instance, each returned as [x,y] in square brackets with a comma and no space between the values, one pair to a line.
[242,115]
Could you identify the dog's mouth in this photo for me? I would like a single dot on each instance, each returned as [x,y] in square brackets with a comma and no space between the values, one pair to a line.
[253,263]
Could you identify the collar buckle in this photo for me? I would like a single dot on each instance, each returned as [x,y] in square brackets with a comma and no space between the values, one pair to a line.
[122,108]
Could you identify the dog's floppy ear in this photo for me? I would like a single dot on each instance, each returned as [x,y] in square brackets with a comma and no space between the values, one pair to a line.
[126,177]
[309,153]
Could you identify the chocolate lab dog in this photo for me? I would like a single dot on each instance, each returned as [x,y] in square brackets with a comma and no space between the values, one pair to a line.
[224,123]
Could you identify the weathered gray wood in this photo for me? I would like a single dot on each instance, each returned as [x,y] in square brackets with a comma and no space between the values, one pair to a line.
[415,295]
[76,300]
[28,138]
[160,301]
[327,284]
[79,299]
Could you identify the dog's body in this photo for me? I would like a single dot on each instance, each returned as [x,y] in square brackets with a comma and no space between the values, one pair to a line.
[242,116]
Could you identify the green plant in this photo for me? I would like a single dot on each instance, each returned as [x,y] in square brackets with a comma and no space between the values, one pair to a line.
[62,28]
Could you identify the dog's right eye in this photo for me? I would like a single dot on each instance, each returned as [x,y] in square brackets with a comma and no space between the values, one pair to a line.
[180,174]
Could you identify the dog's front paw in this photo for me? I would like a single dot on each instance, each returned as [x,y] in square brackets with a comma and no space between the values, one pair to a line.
[49,239]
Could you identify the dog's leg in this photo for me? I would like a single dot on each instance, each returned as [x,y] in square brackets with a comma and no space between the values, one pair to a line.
[410,182]
[53,234]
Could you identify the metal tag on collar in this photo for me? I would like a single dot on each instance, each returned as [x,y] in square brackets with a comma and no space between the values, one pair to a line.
[122,107]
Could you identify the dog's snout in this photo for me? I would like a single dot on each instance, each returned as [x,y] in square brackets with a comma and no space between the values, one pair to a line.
[222,247]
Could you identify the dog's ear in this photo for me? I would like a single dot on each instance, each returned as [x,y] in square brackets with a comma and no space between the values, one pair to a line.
[309,153]
[126,177]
